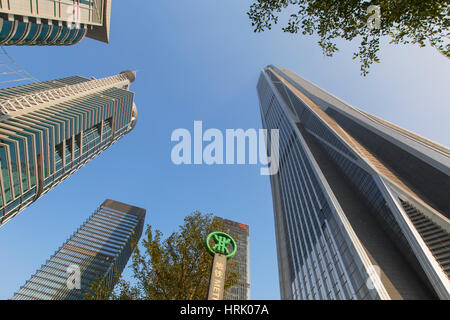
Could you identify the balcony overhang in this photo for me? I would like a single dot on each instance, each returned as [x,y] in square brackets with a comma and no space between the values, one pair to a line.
[101,33]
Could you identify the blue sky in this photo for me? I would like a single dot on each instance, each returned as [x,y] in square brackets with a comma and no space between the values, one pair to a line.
[200,60]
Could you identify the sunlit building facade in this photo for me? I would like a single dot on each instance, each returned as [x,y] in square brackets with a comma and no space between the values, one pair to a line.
[49,130]
[99,249]
[47,22]
[361,206]
[241,233]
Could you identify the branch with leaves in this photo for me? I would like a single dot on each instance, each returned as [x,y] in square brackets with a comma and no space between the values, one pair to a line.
[403,21]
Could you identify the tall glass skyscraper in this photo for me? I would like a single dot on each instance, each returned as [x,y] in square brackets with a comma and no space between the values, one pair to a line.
[101,247]
[361,206]
[51,22]
[241,233]
[49,130]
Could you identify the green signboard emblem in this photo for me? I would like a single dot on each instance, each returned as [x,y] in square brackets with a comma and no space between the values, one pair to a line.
[222,241]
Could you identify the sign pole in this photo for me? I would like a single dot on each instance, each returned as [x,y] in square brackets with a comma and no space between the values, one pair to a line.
[217,279]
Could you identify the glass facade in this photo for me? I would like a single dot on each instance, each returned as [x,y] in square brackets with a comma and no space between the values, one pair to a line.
[44,22]
[325,251]
[100,248]
[241,233]
[323,263]
[29,33]
[427,181]
[46,142]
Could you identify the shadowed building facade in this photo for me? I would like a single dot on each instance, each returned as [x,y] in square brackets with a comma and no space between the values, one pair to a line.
[241,233]
[47,22]
[49,130]
[361,206]
[101,247]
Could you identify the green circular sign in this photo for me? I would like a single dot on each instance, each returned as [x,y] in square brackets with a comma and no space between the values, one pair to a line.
[221,242]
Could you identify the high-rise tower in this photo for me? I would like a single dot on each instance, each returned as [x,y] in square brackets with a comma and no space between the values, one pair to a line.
[51,22]
[361,205]
[241,233]
[49,130]
[99,249]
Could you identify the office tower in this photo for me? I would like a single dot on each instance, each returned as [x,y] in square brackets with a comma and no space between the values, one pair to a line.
[100,248]
[355,196]
[49,130]
[239,232]
[46,22]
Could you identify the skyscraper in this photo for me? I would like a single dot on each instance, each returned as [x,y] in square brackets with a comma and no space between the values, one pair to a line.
[355,197]
[241,233]
[47,22]
[49,130]
[101,247]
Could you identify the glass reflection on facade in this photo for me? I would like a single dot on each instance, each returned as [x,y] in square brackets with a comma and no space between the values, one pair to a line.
[100,248]
[49,130]
[352,219]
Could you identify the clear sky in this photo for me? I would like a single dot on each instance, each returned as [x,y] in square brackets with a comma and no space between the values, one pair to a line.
[200,60]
